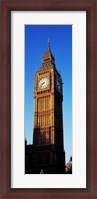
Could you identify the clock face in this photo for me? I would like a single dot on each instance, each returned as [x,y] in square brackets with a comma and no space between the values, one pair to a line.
[58,85]
[43,83]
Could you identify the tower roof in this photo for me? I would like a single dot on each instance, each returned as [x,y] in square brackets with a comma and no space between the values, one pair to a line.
[48,52]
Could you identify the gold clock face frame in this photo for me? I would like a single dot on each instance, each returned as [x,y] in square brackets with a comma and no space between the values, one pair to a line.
[43,83]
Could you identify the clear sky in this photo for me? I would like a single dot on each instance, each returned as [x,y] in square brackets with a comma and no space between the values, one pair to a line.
[36,41]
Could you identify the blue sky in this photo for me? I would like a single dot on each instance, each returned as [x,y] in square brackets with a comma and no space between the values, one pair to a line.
[36,41]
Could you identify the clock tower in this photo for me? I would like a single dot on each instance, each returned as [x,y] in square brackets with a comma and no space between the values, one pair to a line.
[48,151]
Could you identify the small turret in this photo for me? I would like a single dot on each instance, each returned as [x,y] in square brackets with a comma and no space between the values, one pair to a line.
[25,141]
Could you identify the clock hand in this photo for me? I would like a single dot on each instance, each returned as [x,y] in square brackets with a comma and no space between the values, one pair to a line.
[42,83]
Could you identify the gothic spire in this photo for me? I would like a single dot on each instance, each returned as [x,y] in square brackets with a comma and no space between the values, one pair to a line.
[48,43]
[48,50]
[48,57]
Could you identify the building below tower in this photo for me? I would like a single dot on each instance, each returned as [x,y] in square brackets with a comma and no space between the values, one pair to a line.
[46,158]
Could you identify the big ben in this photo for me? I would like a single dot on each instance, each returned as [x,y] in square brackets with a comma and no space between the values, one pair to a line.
[47,152]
